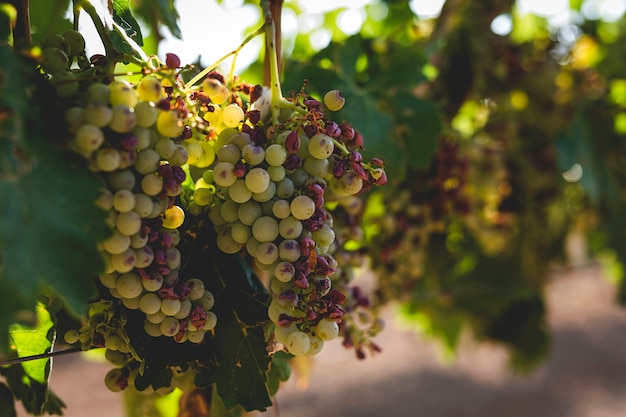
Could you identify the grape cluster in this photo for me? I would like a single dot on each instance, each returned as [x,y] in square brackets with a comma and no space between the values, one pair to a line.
[133,140]
[271,182]
[57,56]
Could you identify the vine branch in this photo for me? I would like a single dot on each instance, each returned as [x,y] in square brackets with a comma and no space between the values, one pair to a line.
[48,355]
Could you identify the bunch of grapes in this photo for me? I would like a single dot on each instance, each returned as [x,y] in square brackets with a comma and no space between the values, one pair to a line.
[266,191]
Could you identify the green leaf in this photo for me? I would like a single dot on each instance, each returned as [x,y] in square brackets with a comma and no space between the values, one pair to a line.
[49,224]
[36,398]
[7,402]
[48,17]
[29,341]
[123,16]
[160,12]
[280,371]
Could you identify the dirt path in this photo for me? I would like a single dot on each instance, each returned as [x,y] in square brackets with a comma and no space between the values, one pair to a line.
[584,377]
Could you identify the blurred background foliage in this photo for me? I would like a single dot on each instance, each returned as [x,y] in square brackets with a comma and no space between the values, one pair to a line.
[502,125]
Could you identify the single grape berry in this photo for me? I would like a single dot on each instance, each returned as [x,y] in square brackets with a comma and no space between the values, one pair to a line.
[334,100]
[172,61]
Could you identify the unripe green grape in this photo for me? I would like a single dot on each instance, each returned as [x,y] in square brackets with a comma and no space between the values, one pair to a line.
[208,155]
[230,210]
[128,223]
[298,343]
[226,243]
[202,196]
[249,212]
[98,114]
[240,139]
[239,192]
[302,207]
[257,180]
[124,201]
[284,271]
[146,114]
[55,41]
[89,137]
[98,93]
[285,188]
[170,307]
[194,150]
[290,228]
[327,329]
[180,156]
[149,89]
[173,217]
[124,119]
[54,61]
[321,146]
[114,380]
[169,124]
[265,229]
[145,256]
[215,215]
[240,232]
[266,195]
[316,167]
[147,161]
[124,262]
[116,357]
[169,326]
[229,153]
[122,93]
[275,155]
[196,336]
[75,42]
[215,90]
[121,180]
[349,184]
[152,184]
[303,152]
[253,154]
[324,236]
[116,243]
[281,209]
[267,253]
[334,100]
[150,303]
[71,336]
[281,333]
[129,285]
[65,83]
[173,258]
[276,173]
[152,329]
[223,174]
[131,303]
[289,250]
[299,177]
[197,288]
[251,246]
[156,318]
[109,279]
[185,309]
[316,347]
[74,118]
[143,205]
[153,284]
[145,137]
[207,301]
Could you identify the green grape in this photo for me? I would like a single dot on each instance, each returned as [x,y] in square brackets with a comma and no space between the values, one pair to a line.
[281,333]
[284,271]
[149,89]
[124,119]
[226,243]
[265,229]
[223,174]
[230,210]
[129,285]
[65,83]
[153,284]
[215,90]
[173,258]
[275,309]
[122,93]
[98,93]
[281,209]
[298,343]
[239,139]
[253,154]
[239,192]
[321,146]
[71,336]
[197,288]
[207,301]
[290,228]
[299,177]
[266,195]
[285,188]
[208,155]
[145,137]
[54,61]
[145,256]
[124,201]
[113,342]
[229,153]
[213,115]
[89,137]
[211,321]
[169,326]
[327,329]
[143,205]
[114,380]
[241,233]
[116,357]
[257,180]
[276,173]
[316,167]
[128,223]
[302,207]
[109,280]
[180,156]
[116,243]
[75,42]
[124,262]
[169,124]
[152,329]
[349,184]
[97,114]
[185,309]
[121,180]
[317,345]
[55,41]
[196,336]
[146,114]
[324,236]
[334,100]
[147,161]
[170,307]
[275,155]
[289,250]
[249,212]
[173,217]
[251,246]
[150,303]
[74,118]
[156,318]
[152,184]
[202,196]
[267,253]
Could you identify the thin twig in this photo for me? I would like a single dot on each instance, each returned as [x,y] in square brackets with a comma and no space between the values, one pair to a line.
[39,356]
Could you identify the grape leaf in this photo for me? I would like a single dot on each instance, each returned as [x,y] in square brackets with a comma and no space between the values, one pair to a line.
[29,341]
[160,12]
[36,397]
[241,358]
[280,370]
[7,403]
[123,16]
[47,17]
[49,224]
